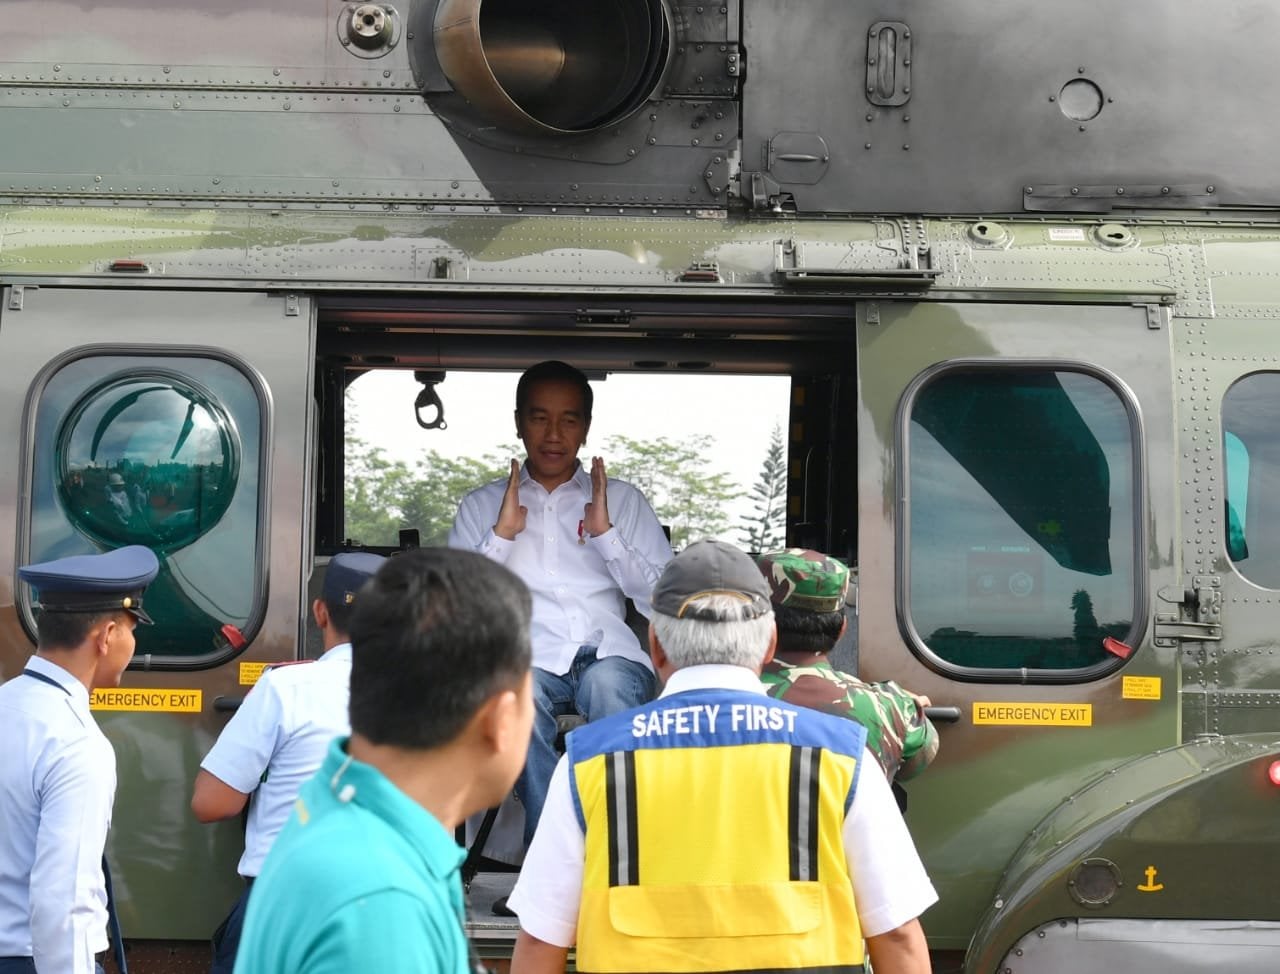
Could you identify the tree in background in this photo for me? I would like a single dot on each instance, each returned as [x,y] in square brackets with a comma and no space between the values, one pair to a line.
[766,529]
[687,496]
[383,496]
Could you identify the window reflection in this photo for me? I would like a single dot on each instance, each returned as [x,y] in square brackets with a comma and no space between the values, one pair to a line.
[147,459]
[1251,443]
[162,451]
[1021,531]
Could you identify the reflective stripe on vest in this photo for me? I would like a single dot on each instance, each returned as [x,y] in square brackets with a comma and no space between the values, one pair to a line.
[717,848]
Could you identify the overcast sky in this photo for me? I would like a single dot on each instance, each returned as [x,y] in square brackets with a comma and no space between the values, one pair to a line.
[738,412]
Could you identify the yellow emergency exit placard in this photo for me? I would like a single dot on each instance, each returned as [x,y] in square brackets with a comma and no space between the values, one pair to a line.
[1140,688]
[157,701]
[250,672]
[1034,714]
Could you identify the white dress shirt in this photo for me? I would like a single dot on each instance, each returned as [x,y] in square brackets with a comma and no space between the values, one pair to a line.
[282,730]
[890,886]
[578,582]
[57,785]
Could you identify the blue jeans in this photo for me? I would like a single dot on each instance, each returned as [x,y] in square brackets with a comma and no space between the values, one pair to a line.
[226,939]
[594,688]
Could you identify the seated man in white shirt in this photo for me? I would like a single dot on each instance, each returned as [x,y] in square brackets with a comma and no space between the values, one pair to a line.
[279,736]
[583,543]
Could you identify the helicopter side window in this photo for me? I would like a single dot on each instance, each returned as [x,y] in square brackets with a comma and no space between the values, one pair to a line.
[163,452]
[1251,448]
[1021,527]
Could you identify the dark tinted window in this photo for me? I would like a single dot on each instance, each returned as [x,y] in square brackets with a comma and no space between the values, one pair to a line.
[162,452]
[1251,445]
[1021,519]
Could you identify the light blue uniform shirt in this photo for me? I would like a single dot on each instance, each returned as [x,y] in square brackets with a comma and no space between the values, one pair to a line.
[57,785]
[362,878]
[283,731]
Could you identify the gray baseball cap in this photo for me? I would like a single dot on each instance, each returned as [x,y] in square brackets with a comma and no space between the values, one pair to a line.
[710,568]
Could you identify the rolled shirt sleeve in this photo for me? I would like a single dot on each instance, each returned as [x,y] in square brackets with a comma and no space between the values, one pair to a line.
[549,888]
[243,750]
[890,885]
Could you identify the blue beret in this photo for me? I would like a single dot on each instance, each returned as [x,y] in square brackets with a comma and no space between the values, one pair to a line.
[95,583]
[347,574]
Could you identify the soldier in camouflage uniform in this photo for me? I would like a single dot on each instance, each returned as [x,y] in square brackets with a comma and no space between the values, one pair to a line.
[808,599]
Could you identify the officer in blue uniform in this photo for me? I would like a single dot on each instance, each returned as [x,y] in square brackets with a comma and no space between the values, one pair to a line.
[57,770]
[279,737]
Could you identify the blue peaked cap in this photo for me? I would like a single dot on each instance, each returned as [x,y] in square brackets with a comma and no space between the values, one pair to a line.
[346,575]
[95,583]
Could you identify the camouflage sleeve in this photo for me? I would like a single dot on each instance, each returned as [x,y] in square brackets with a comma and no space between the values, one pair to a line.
[898,733]
[919,738]
[821,689]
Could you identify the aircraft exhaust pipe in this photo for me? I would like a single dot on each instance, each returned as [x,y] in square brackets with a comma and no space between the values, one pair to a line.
[553,67]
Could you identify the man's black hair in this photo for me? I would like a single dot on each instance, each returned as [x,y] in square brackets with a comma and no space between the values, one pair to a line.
[435,634]
[67,630]
[807,632]
[554,371]
[340,616]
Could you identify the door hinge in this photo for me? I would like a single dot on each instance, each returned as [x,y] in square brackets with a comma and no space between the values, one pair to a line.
[1199,615]
[16,294]
[292,306]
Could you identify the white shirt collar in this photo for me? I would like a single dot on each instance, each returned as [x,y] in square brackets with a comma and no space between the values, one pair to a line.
[581,476]
[341,652]
[713,676]
[62,677]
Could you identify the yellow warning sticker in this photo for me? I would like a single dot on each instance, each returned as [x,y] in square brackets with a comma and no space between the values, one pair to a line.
[250,673]
[1140,688]
[158,701]
[1042,714]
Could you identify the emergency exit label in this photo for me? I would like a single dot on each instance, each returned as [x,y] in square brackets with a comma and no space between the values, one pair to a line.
[1034,714]
[1140,688]
[159,701]
[250,672]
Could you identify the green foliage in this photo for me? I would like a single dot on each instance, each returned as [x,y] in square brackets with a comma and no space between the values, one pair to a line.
[766,529]
[383,496]
[674,475]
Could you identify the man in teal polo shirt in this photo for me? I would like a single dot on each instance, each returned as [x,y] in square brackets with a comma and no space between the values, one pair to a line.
[364,876]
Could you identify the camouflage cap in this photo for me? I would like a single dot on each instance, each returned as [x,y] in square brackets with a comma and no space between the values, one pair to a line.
[805,579]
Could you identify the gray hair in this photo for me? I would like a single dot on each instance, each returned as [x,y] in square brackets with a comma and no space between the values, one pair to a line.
[732,639]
